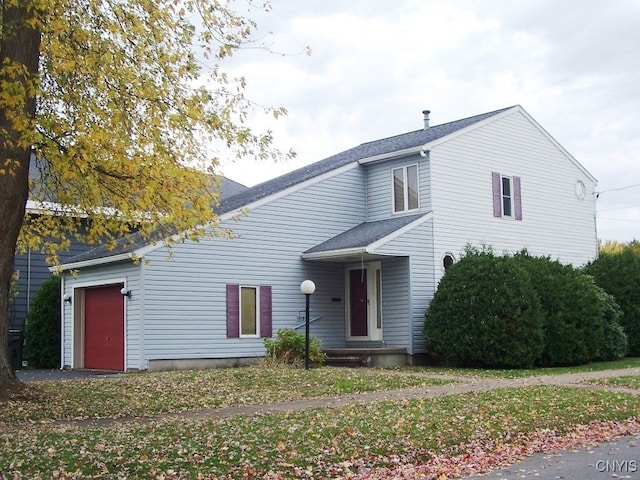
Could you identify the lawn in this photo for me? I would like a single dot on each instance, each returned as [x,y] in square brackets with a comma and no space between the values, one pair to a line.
[372,440]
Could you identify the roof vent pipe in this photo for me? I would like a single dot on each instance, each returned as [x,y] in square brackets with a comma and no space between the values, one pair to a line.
[426,113]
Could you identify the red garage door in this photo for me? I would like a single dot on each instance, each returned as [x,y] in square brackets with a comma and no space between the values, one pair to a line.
[104,328]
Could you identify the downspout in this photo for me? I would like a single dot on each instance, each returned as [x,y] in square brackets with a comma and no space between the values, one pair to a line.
[28,279]
[62,322]
[410,319]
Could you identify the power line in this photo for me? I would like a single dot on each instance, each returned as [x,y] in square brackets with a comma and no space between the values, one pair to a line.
[620,188]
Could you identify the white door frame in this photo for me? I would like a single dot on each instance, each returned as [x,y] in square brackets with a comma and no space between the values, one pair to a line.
[374,301]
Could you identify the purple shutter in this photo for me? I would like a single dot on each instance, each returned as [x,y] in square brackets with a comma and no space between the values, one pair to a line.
[233,310]
[265,311]
[517,198]
[497,194]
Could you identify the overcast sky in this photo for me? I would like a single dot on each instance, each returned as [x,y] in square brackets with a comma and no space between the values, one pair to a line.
[574,65]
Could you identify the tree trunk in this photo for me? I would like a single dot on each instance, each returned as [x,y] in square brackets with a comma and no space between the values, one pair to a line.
[20,46]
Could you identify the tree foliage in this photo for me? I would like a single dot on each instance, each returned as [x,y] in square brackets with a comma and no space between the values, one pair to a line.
[127,109]
[618,274]
[573,312]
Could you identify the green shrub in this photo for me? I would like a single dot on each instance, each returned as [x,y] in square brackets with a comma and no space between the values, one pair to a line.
[573,323]
[619,275]
[289,347]
[614,343]
[485,313]
[42,330]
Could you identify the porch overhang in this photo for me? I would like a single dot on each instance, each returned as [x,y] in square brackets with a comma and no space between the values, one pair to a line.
[364,242]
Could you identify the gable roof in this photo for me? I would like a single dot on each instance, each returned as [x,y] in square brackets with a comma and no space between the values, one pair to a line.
[368,151]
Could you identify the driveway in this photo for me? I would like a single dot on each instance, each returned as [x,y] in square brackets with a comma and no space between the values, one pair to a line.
[60,375]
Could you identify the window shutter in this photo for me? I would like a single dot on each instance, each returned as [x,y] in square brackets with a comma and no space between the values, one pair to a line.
[517,198]
[266,329]
[497,195]
[233,310]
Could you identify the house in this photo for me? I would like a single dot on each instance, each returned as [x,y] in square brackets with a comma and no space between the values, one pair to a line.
[374,227]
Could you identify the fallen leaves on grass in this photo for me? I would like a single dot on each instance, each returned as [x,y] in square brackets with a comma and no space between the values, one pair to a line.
[483,456]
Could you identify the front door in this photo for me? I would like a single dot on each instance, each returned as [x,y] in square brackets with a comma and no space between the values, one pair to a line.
[364,314]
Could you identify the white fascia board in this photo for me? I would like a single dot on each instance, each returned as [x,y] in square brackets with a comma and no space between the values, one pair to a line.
[50,208]
[91,263]
[401,231]
[392,155]
[331,254]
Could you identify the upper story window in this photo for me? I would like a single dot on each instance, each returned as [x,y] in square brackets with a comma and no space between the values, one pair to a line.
[507,196]
[405,188]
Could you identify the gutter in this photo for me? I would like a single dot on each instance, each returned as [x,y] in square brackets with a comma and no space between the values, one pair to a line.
[92,263]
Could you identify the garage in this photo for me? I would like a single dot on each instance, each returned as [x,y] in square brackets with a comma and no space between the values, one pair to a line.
[104,328]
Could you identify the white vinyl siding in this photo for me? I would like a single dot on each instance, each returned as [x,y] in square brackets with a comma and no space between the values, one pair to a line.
[554,222]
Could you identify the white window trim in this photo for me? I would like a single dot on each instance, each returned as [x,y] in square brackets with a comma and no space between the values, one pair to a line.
[405,187]
[257,290]
[512,207]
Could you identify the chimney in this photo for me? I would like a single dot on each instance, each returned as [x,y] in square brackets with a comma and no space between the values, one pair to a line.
[426,113]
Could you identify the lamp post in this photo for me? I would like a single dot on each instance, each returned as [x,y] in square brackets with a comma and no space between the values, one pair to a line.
[307,287]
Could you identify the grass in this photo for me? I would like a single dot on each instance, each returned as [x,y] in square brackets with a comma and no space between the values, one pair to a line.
[314,443]
[631,362]
[628,381]
[155,393]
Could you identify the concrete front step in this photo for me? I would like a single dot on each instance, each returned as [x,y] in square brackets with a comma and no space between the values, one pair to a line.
[366,357]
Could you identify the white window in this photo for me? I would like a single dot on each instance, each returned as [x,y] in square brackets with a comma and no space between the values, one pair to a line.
[249,312]
[405,188]
[507,197]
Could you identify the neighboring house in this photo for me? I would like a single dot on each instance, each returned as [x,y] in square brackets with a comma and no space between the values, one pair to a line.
[32,267]
[374,227]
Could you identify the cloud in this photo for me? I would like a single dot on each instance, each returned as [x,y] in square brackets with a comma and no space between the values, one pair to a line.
[375,66]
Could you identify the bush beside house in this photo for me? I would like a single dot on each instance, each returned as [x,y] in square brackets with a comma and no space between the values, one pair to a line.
[618,273]
[517,311]
[485,313]
[42,331]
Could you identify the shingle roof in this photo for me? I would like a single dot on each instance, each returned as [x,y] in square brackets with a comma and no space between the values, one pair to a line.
[288,180]
[364,234]
[365,150]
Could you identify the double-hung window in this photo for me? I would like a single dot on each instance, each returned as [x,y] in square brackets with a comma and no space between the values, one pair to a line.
[405,188]
[507,196]
[248,311]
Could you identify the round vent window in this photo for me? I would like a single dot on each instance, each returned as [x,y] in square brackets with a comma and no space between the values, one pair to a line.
[580,190]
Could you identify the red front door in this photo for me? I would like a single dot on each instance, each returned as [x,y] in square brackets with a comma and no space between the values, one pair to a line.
[358,303]
[104,328]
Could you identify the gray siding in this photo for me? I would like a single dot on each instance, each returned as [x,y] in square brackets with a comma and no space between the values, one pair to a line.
[379,186]
[127,273]
[34,271]
[417,244]
[395,302]
[185,299]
